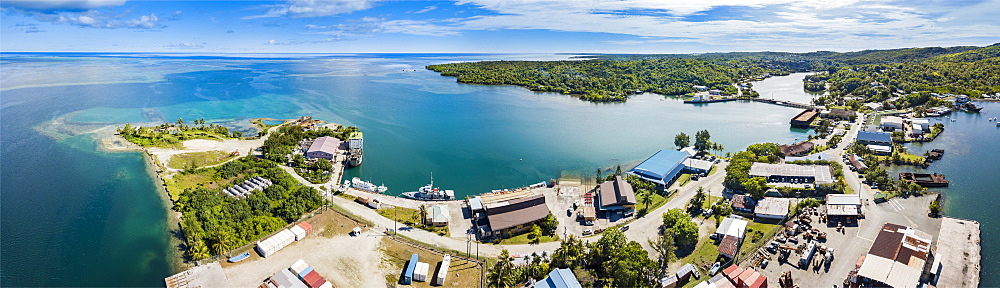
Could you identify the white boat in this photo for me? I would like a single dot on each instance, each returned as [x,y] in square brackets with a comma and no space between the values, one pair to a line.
[430,193]
[359,184]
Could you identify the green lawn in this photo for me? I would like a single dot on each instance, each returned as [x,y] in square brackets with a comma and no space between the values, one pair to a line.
[714,169]
[710,201]
[198,159]
[756,236]
[523,239]
[410,217]
[683,179]
[658,200]
[203,178]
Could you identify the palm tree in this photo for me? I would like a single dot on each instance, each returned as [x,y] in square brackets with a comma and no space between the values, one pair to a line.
[647,199]
[198,250]
[423,212]
[223,241]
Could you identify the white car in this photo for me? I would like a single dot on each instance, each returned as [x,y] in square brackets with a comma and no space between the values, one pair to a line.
[588,232]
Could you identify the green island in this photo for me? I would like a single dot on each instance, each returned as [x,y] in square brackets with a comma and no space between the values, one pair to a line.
[872,75]
[170,135]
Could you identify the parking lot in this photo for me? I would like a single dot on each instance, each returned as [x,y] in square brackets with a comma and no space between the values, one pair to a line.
[852,242]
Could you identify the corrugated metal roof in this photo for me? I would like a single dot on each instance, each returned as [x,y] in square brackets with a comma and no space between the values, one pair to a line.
[821,173]
[772,206]
[559,278]
[661,165]
[878,137]
[616,192]
[325,144]
[439,213]
[524,211]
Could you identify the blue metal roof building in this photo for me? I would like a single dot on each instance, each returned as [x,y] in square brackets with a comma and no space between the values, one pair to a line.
[661,168]
[559,278]
[874,138]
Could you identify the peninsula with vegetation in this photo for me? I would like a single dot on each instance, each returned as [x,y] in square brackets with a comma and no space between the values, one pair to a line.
[861,77]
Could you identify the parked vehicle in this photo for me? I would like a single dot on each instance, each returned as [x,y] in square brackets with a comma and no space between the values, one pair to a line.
[715,269]
[588,232]
[624,228]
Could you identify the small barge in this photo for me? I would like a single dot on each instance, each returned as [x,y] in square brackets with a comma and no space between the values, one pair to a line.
[925,180]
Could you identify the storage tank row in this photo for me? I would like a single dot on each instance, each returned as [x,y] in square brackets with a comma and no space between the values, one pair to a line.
[271,245]
[247,187]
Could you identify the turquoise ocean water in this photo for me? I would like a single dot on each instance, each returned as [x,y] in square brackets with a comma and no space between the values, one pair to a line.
[74,216]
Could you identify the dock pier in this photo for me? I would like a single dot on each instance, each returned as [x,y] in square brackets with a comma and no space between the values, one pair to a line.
[784,103]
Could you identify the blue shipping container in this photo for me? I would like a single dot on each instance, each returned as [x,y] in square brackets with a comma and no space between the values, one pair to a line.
[305,272]
[408,273]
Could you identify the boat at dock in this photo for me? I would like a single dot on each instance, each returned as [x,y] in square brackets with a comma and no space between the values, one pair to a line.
[355,151]
[925,180]
[362,185]
[240,257]
[430,193]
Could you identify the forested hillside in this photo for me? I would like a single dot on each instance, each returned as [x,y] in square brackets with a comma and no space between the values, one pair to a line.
[971,72]
[612,78]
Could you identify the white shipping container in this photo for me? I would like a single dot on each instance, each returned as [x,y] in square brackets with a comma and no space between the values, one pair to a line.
[299,232]
[443,273]
[420,273]
[299,266]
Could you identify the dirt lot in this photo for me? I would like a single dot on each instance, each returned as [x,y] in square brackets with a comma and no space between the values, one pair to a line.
[460,274]
[343,260]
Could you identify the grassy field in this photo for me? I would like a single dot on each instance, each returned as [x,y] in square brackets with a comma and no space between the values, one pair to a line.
[683,179]
[203,178]
[410,217]
[658,200]
[714,169]
[523,239]
[460,274]
[757,234]
[198,159]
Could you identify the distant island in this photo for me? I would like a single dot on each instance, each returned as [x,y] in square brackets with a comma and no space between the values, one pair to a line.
[862,77]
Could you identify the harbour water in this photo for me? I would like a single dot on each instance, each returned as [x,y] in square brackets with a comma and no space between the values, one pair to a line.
[75,216]
[970,163]
[785,88]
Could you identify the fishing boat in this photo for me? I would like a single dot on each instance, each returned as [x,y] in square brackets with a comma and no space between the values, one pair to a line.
[430,193]
[362,185]
[240,257]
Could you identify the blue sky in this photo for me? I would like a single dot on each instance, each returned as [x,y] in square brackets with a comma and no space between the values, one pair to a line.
[492,26]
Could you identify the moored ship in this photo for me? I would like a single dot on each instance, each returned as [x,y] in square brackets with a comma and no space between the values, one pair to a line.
[362,185]
[430,193]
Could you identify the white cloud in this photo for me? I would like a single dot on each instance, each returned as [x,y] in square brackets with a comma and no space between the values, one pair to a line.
[426,9]
[95,19]
[60,5]
[314,8]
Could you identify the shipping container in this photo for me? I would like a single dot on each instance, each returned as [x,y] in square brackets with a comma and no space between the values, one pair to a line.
[306,226]
[443,272]
[299,232]
[408,272]
[304,272]
[299,266]
[420,274]
[312,278]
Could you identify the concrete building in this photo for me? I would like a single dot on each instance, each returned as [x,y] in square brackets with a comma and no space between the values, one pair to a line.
[897,257]
[559,278]
[891,123]
[616,195]
[438,215]
[879,142]
[923,123]
[843,205]
[916,130]
[511,217]
[662,168]
[323,147]
[698,166]
[792,173]
[772,208]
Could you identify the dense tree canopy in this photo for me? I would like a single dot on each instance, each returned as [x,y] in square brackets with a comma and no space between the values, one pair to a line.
[215,219]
